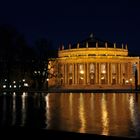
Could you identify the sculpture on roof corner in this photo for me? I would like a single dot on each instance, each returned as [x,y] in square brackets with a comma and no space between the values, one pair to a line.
[91,35]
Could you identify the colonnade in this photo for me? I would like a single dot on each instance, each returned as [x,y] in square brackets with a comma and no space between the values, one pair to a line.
[102,73]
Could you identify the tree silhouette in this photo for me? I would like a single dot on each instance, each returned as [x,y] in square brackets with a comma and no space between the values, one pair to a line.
[15,55]
[19,61]
[40,73]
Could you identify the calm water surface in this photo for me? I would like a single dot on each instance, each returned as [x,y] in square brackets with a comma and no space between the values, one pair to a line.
[103,113]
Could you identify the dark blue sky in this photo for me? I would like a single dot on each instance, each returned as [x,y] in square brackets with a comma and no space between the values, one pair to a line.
[68,21]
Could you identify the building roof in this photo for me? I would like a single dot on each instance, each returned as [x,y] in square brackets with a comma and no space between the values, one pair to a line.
[93,47]
[91,41]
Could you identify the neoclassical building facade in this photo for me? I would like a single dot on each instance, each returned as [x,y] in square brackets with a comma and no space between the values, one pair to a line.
[95,64]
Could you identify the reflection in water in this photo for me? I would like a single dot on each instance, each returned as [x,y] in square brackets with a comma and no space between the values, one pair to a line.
[70,105]
[47,110]
[22,109]
[134,114]
[4,110]
[24,95]
[105,123]
[106,114]
[82,114]
[14,109]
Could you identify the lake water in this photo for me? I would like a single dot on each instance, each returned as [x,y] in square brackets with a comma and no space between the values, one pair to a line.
[116,114]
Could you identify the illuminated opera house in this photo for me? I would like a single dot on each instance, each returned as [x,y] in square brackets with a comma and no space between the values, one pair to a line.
[93,63]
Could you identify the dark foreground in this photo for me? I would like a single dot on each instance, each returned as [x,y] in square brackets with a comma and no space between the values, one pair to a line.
[26,133]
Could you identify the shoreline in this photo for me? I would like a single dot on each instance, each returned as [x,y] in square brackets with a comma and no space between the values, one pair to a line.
[52,134]
[58,90]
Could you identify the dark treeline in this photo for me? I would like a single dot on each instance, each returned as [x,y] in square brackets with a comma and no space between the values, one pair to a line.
[21,63]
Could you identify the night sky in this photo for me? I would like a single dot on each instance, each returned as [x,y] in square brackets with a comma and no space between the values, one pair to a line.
[70,21]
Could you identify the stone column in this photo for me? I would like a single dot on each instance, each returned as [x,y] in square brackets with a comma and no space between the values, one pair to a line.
[75,73]
[121,76]
[110,73]
[96,73]
[68,74]
[78,74]
[118,73]
[116,66]
[138,68]
[87,74]
[108,81]
[65,74]
[84,73]
[99,68]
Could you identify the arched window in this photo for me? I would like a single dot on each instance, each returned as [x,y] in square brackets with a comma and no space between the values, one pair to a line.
[92,73]
[81,74]
[113,69]
[103,73]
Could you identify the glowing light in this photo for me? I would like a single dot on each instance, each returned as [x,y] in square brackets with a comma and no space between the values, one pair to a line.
[26,85]
[48,114]
[126,81]
[47,79]
[103,71]
[15,86]
[105,119]
[82,114]
[14,94]
[4,86]
[23,80]
[4,93]
[81,72]
[113,77]
[23,109]
[14,109]
[24,94]
[102,77]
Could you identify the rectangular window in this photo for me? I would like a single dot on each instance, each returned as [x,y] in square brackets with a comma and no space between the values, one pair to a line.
[70,68]
[103,68]
[113,68]
[92,68]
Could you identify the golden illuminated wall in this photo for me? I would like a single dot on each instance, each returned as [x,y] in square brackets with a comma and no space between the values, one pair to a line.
[96,67]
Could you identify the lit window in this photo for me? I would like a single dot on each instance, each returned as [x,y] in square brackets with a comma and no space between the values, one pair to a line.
[92,68]
[81,69]
[113,68]
[70,69]
[103,68]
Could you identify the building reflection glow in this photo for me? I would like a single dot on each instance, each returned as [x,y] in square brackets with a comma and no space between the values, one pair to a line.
[133,107]
[23,98]
[48,117]
[105,120]
[105,114]
[71,106]
[82,114]
[116,114]
[14,109]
